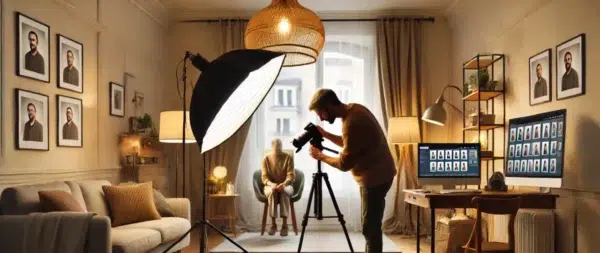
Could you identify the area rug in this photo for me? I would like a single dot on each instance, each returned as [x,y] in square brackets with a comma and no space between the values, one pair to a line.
[334,242]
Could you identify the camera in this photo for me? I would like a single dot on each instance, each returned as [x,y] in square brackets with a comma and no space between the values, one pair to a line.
[311,134]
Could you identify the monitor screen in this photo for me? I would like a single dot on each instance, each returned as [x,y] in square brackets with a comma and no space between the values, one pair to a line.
[445,160]
[536,149]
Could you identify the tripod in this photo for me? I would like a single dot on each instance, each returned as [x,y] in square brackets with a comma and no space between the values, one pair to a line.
[316,191]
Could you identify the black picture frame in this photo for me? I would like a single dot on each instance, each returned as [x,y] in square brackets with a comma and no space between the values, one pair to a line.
[63,142]
[44,144]
[115,88]
[73,45]
[32,24]
[546,66]
[581,65]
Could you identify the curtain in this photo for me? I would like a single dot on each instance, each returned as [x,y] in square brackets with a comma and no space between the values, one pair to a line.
[348,65]
[231,37]
[399,45]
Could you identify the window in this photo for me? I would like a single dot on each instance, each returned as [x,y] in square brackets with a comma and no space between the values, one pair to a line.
[285,96]
[347,65]
[283,125]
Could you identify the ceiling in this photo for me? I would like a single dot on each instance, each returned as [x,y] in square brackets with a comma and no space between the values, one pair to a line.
[246,7]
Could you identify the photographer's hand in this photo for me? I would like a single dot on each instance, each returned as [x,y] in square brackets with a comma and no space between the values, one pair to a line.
[337,140]
[315,153]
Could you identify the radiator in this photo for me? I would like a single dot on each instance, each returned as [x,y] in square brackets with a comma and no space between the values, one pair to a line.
[534,231]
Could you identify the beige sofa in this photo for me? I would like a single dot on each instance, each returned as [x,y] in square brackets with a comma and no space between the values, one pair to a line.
[149,236]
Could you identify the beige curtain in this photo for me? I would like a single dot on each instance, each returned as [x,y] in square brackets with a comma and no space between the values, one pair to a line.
[231,37]
[399,45]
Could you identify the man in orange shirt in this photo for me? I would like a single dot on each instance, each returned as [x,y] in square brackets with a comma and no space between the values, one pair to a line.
[365,153]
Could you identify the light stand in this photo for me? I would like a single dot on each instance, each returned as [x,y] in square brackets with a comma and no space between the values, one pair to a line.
[316,190]
[228,91]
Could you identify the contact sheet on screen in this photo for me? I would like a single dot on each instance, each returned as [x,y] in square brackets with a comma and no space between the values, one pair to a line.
[448,160]
[535,146]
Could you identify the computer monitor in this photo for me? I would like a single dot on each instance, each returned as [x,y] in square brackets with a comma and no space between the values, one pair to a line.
[535,153]
[449,164]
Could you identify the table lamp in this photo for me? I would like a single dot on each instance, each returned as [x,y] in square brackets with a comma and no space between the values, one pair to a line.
[228,91]
[172,131]
[220,172]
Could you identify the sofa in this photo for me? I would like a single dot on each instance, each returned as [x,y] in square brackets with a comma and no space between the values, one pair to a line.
[19,203]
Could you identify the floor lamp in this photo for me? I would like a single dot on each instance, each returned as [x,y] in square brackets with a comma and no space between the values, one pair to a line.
[228,91]
[173,130]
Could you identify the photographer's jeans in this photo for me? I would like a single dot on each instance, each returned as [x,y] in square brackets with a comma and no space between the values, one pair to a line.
[373,205]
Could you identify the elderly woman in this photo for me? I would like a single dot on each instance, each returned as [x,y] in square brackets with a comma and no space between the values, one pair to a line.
[278,175]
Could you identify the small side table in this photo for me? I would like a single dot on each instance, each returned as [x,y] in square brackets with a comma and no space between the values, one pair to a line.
[231,212]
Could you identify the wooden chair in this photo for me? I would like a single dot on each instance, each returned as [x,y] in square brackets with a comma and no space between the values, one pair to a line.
[298,186]
[495,206]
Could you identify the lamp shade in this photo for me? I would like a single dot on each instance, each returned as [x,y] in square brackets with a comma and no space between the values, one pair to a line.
[220,172]
[228,91]
[435,114]
[286,26]
[404,130]
[171,127]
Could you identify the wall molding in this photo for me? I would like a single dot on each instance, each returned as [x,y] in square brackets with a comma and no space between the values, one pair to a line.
[25,178]
[155,9]
[71,9]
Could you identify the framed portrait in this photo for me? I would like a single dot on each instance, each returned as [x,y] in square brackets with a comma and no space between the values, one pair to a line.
[117,99]
[32,120]
[570,68]
[540,78]
[33,48]
[69,57]
[69,123]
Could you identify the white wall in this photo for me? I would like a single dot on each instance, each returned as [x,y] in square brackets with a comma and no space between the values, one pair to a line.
[521,29]
[118,37]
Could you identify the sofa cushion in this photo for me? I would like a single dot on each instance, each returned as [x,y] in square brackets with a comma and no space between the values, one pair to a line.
[163,207]
[134,240]
[20,200]
[170,228]
[130,203]
[59,201]
[76,192]
[94,196]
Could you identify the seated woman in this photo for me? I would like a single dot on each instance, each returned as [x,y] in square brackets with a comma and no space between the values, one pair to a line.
[278,175]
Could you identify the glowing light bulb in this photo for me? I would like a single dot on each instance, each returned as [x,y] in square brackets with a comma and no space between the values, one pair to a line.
[284,26]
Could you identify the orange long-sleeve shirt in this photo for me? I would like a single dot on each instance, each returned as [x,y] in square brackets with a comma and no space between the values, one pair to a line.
[365,152]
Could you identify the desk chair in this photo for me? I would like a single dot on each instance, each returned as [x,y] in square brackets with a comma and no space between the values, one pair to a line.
[298,186]
[496,206]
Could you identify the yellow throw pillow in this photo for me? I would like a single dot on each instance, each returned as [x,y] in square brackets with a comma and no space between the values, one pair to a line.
[130,203]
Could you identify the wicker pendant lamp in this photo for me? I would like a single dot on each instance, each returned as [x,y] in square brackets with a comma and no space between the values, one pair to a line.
[287,27]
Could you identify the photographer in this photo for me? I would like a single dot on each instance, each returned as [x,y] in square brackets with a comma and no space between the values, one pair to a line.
[365,153]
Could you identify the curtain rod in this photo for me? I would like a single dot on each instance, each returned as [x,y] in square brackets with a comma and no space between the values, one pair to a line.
[427,19]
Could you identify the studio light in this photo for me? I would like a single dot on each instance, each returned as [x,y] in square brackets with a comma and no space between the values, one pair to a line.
[227,93]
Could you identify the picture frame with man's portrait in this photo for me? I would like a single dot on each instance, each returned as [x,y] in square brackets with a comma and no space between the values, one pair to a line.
[69,57]
[32,120]
[570,68]
[69,123]
[117,99]
[33,48]
[540,77]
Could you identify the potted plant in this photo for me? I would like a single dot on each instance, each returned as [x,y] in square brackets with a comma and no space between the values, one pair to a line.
[145,124]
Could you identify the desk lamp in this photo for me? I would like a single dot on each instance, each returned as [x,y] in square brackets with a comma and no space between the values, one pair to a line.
[227,93]
[436,113]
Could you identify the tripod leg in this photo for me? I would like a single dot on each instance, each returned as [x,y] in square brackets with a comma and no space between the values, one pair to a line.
[305,220]
[337,209]
[225,236]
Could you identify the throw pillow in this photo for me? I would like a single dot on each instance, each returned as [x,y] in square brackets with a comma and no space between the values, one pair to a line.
[163,207]
[59,201]
[130,203]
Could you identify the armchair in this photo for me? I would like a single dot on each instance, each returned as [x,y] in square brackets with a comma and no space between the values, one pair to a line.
[298,186]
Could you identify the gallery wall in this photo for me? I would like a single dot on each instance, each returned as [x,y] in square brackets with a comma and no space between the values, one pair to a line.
[521,29]
[118,38]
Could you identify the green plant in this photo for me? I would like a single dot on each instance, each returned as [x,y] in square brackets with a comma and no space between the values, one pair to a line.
[145,121]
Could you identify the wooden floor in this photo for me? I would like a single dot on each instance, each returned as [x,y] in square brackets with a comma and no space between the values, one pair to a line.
[214,239]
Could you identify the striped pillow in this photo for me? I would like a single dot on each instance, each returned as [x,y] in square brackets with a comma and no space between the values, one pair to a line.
[130,203]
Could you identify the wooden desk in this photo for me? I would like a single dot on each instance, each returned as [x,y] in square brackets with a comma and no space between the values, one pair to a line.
[231,212]
[433,200]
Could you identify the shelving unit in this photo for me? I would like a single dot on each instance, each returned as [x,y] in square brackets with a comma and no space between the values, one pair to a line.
[483,99]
